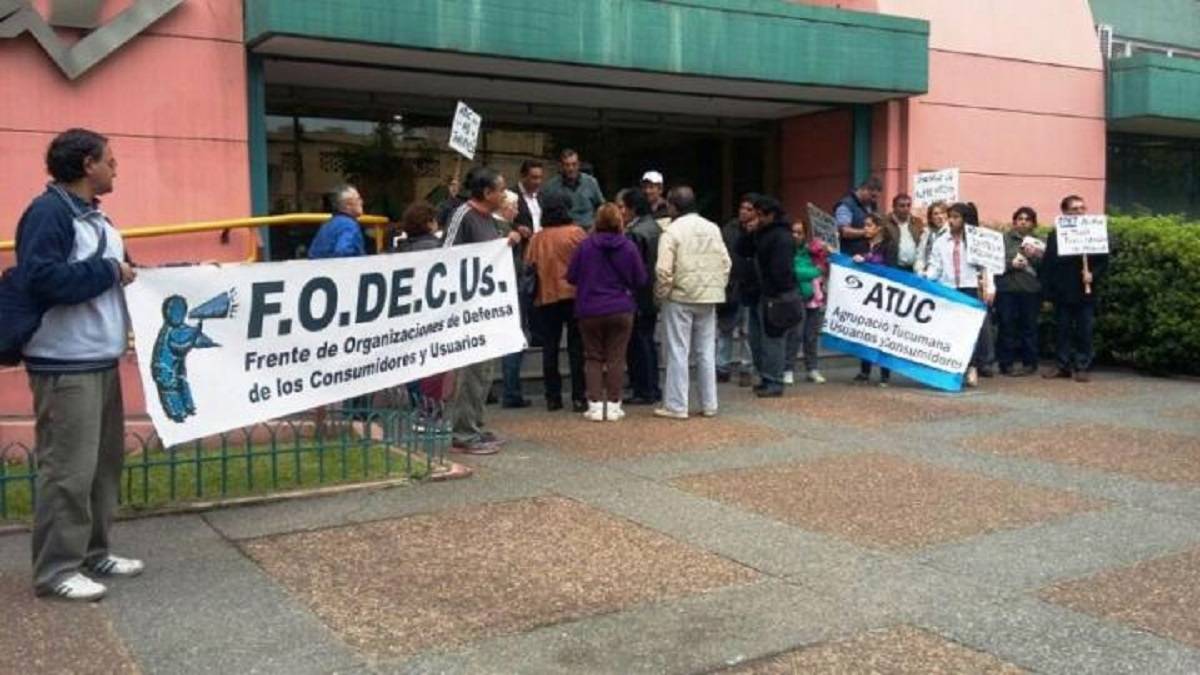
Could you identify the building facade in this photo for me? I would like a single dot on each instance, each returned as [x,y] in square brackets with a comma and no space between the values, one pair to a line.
[226,108]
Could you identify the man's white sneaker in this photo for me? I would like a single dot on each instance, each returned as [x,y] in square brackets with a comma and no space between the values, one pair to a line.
[115,566]
[816,377]
[789,377]
[670,414]
[709,413]
[595,411]
[77,587]
[613,412]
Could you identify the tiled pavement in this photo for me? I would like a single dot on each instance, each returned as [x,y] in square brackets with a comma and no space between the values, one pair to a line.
[1026,526]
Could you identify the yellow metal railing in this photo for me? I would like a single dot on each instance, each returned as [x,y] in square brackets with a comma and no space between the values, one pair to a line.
[378,228]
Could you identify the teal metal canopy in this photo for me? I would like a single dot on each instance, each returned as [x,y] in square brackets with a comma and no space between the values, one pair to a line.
[766,41]
[1154,94]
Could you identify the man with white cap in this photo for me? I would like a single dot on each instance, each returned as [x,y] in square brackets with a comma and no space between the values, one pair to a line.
[652,187]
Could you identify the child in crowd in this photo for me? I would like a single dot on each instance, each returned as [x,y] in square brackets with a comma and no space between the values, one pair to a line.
[948,266]
[881,251]
[811,266]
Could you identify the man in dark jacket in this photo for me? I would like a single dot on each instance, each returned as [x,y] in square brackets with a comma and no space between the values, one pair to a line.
[1065,283]
[851,211]
[774,251]
[642,355]
[735,331]
[73,262]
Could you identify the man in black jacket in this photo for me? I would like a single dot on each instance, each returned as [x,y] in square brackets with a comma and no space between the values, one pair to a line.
[736,332]
[642,355]
[774,252]
[1066,284]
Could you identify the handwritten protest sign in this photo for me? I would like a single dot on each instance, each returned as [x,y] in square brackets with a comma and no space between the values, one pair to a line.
[225,346]
[931,186]
[824,227]
[985,248]
[900,321]
[464,131]
[1082,235]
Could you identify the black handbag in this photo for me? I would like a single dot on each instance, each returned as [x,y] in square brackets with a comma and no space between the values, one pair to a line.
[783,312]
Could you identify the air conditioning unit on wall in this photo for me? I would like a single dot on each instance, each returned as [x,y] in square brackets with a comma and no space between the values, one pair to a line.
[1105,32]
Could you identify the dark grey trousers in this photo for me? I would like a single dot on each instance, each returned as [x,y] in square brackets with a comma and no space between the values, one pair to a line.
[80,451]
[465,410]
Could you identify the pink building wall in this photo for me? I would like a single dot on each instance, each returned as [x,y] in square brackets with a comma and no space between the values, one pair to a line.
[173,103]
[1015,101]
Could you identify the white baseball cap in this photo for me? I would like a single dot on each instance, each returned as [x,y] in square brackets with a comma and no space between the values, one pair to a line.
[652,177]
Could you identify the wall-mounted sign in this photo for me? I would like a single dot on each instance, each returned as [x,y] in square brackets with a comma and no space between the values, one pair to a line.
[18,17]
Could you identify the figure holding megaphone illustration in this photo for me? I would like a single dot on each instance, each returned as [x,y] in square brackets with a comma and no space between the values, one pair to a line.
[175,339]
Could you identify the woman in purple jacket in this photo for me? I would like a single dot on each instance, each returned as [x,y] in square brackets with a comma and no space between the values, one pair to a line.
[606,271]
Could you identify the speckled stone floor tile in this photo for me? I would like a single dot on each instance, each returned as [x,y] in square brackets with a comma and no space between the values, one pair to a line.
[902,650]
[885,501]
[1103,385]
[1161,596]
[1144,453]
[1189,413]
[873,407]
[639,434]
[52,636]
[397,587]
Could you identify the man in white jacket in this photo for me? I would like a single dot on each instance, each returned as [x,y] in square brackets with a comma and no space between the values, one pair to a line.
[690,277]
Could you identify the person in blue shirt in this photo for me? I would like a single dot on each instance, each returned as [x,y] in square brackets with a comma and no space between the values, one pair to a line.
[341,236]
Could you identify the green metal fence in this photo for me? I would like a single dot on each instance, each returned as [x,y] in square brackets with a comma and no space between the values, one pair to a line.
[321,447]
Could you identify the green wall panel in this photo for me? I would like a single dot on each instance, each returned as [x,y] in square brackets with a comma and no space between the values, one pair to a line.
[768,40]
[1153,85]
[1171,22]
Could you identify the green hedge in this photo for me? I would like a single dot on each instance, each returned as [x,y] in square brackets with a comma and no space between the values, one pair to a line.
[1149,315]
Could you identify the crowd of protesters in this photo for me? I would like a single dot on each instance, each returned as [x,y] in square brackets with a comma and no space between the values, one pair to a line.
[626,281]
[612,278]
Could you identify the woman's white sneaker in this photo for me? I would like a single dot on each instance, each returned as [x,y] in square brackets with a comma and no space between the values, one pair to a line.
[77,587]
[613,411]
[115,566]
[595,411]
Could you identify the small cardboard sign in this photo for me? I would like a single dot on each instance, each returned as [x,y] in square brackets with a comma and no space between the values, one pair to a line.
[985,248]
[1082,235]
[464,131]
[824,227]
[932,186]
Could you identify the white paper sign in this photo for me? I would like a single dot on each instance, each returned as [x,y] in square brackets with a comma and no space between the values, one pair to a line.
[985,248]
[932,186]
[464,131]
[901,321]
[824,227]
[1082,235]
[221,347]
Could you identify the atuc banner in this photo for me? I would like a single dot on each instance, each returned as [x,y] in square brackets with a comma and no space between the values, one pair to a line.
[224,346]
[898,320]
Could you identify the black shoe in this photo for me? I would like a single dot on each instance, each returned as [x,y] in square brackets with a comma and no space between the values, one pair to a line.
[769,391]
[579,406]
[1057,374]
[987,372]
[1006,370]
[1026,371]
[553,404]
[639,400]
[516,403]
[862,377]
[724,377]
[492,399]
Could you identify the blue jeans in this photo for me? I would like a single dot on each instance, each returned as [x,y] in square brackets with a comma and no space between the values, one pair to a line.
[772,351]
[732,342]
[1018,314]
[510,366]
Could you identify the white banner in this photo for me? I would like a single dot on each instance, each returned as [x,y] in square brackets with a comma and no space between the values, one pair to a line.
[1082,235]
[224,346]
[931,186]
[985,248]
[824,227]
[464,131]
[901,321]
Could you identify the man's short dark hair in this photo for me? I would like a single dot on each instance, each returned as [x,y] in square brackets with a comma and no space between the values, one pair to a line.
[634,200]
[480,180]
[416,219]
[770,206]
[748,198]
[872,183]
[1026,211]
[903,195]
[1066,202]
[567,152]
[68,150]
[556,209]
[683,198]
[529,165]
